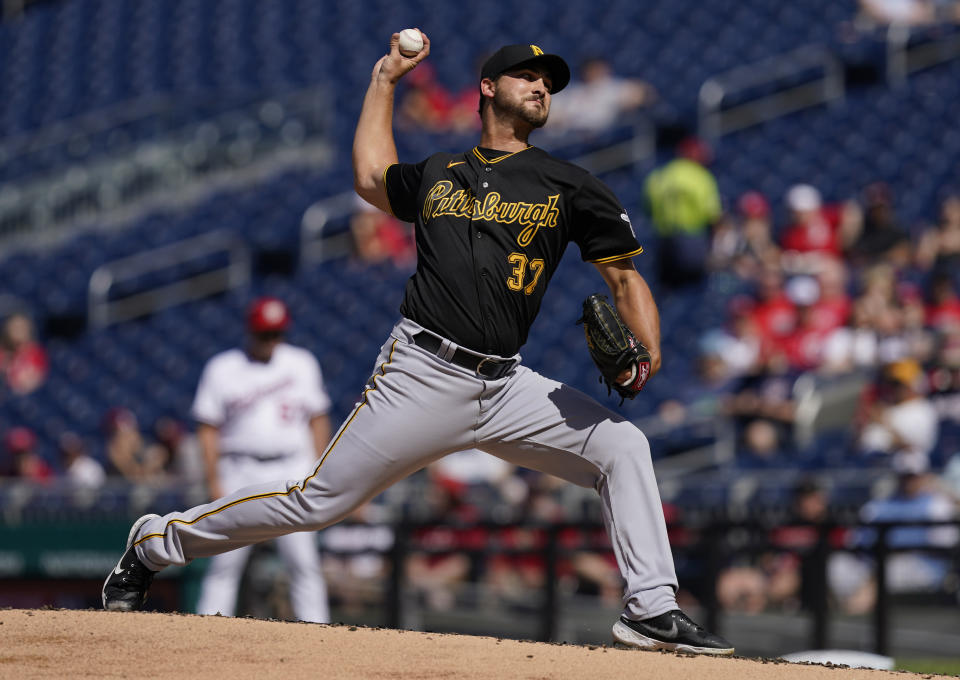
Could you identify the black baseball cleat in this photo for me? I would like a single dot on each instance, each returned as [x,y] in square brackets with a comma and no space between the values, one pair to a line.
[126,586]
[673,631]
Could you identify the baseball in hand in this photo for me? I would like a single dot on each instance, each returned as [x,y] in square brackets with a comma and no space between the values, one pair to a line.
[411,42]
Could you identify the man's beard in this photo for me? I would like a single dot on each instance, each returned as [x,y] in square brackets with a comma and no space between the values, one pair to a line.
[534,118]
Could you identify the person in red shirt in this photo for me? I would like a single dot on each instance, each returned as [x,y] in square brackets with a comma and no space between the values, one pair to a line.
[441,568]
[774,315]
[20,444]
[832,309]
[23,361]
[758,247]
[378,237]
[817,230]
[426,104]
[802,347]
[814,227]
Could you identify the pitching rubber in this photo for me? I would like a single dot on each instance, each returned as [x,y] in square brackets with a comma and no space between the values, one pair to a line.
[130,539]
[628,636]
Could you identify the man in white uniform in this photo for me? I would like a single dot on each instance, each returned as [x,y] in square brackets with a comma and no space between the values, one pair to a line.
[261,413]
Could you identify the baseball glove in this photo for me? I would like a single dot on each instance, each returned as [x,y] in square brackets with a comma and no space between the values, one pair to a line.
[614,348]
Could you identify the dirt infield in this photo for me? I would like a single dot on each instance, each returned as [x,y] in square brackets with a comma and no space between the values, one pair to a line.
[95,644]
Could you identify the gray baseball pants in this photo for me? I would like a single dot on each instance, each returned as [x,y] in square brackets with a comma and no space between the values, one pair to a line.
[417,408]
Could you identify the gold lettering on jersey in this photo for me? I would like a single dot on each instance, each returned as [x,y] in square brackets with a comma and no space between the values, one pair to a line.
[539,215]
[519,263]
[443,201]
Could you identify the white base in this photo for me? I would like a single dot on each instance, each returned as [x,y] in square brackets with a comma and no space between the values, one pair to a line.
[847,657]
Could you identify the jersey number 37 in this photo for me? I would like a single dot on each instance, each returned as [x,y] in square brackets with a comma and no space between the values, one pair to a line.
[520,263]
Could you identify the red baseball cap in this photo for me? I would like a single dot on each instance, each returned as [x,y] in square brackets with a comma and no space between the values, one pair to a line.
[268,314]
[118,417]
[20,440]
[753,204]
[696,150]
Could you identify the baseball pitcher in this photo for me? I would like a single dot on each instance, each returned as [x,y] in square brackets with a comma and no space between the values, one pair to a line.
[492,223]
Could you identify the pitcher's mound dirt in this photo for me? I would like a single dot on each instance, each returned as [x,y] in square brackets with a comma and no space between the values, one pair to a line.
[95,644]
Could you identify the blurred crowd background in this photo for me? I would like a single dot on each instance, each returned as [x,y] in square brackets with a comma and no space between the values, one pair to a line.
[792,169]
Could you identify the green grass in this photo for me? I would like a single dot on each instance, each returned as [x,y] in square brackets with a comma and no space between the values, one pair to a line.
[945,666]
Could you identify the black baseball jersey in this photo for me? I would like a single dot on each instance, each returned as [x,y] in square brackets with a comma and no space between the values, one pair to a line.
[491,228]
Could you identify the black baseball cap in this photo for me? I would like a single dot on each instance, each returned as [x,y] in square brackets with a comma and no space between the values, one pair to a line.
[513,56]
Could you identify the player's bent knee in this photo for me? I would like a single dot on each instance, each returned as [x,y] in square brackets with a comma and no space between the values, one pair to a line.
[623,444]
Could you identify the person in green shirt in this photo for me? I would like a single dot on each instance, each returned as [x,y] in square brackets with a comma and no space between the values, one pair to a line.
[683,202]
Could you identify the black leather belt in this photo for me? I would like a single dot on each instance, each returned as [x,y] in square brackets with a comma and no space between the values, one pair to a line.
[480,364]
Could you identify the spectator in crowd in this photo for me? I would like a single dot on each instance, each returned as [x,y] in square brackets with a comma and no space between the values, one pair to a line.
[821,306]
[767,396]
[425,104]
[739,346]
[783,576]
[721,362]
[763,445]
[594,571]
[852,346]
[879,286]
[893,343]
[81,470]
[754,210]
[918,498]
[901,424]
[945,373]
[378,237]
[179,450]
[833,306]
[428,105]
[440,571]
[517,576]
[127,453]
[875,13]
[944,309]
[755,247]
[726,245]
[803,347]
[944,380]
[20,444]
[881,237]
[774,314]
[812,228]
[951,477]
[683,202]
[599,100]
[939,249]
[816,230]
[885,310]
[355,565]
[477,469]
[23,361]
[920,339]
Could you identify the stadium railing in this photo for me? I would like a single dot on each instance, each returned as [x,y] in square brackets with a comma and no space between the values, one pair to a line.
[768,89]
